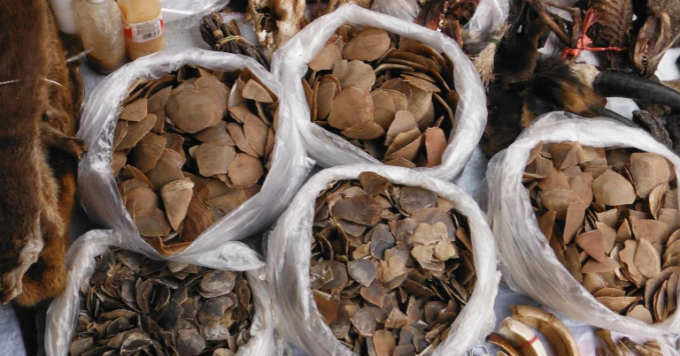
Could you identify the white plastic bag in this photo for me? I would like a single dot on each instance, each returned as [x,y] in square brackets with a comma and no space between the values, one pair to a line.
[289,254]
[290,65]
[488,15]
[402,9]
[97,188]
[528,263]
[62,314]
[174,10]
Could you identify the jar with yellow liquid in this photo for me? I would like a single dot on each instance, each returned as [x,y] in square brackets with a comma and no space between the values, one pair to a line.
[143,24]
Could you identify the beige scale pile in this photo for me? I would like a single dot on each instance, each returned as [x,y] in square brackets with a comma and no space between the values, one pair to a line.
[391,97]
[189,149]
[391,267]
[612,218]
[137,306]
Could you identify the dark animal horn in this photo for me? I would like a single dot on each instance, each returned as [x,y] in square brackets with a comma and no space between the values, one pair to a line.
[600,111]
[634,87]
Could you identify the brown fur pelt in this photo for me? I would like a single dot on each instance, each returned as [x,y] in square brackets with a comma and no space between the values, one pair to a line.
[39,154]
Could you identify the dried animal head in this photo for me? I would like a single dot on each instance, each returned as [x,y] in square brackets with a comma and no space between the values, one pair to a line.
[389,96]
[612,218]
[189,149]
[133,305]
[392,266]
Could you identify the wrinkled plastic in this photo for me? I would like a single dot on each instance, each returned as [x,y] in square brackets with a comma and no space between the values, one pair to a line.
[489,15]
[178,9]
[62,314]
[97,188]
[528,263]
[402,9]
[290,65]
[289,254]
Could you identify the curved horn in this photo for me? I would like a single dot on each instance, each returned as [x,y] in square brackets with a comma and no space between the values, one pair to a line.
[634,87]
[600,111]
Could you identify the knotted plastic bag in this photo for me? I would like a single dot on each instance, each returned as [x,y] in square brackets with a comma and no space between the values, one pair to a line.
[97,188]
[290,64]
[528,263]
[289,255]
[62,315]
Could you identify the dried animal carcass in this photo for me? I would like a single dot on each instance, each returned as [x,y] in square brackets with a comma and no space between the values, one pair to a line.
[275,21]
[390,96]
[612,218]
[225,36]
[189,149]
[392,266]
[39,99]
[447,16]
[528,84]
[134,305]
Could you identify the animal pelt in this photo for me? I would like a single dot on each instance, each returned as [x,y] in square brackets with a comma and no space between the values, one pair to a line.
[37,173]
[554,85]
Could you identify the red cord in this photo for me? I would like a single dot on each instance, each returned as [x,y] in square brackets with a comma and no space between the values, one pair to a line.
[583,42]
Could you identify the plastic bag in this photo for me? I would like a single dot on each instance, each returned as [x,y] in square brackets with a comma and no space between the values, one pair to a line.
[289,254]
[62,314]
[402,9]
[489,15]
[528,263]
[97,188]
[290,65]
[178,9]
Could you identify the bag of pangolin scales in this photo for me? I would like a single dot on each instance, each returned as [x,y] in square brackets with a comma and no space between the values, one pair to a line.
[625,283]
[383,112]
[441,214]
[65,317]
[230,192]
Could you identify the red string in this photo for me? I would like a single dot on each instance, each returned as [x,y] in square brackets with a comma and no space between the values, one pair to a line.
[584,41]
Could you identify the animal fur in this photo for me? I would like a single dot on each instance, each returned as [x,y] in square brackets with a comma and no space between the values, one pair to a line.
[554,85]
[37,173]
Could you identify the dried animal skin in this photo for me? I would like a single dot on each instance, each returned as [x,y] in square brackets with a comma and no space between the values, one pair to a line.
[385,89]
[385,261]
[209,155]
[625,247]
[159,306]
[275,21]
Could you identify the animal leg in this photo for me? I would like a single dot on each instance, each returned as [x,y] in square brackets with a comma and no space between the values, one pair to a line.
[561,34]
[51,137]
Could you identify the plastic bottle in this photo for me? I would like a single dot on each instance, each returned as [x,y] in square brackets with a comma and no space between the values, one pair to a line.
[101,29]
[143,24]
[66,16]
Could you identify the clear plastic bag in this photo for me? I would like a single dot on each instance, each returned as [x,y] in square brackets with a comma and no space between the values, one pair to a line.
[174,10]
[97,188]
[528,263]
[62,314]
[290,65]
[488,15]
[402,9]
[289,254]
